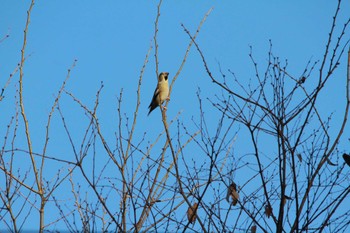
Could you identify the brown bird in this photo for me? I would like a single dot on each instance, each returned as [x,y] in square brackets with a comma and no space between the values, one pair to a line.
[253,229]
[268,210]
[192,213]
[232,192]
[161,92]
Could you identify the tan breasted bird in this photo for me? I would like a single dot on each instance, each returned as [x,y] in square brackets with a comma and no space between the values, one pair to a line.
[161,93]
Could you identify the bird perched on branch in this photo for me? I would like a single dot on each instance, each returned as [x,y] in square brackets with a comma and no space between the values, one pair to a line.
[232,192]
[346,158]
[161,93]
[192,213]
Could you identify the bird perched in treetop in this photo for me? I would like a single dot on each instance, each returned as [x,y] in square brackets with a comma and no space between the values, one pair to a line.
[161,93]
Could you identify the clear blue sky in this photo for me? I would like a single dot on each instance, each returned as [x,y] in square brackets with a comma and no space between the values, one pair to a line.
[110,40]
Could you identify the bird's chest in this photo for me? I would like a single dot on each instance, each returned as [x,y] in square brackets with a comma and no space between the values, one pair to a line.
[164,92]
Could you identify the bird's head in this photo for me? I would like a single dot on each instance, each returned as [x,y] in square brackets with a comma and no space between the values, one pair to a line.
[163,76]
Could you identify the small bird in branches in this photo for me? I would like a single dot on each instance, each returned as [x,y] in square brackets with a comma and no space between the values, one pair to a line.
[253,229]
[192,213]
[268,210]
[161,93]
[346,158]
[232,192]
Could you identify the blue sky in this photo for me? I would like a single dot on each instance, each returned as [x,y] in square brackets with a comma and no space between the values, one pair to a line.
[110,40]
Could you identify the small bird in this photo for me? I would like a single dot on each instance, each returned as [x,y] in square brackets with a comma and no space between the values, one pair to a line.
[346,158]
[232,192]
[192,213]
[161,93]
[253,229]
[268,210]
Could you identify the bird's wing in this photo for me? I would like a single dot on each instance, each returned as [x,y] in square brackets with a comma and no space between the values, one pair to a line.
[155,96]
